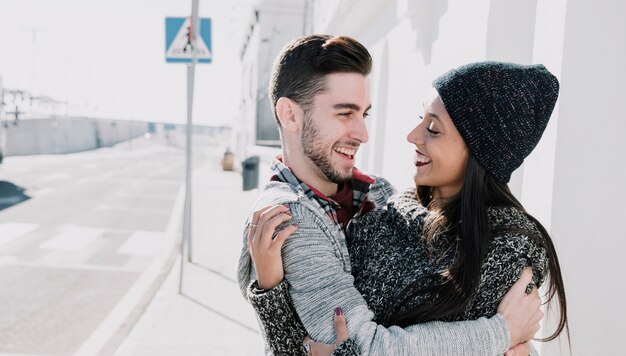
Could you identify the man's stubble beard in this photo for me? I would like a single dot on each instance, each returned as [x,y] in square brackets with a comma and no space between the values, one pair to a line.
[312,147]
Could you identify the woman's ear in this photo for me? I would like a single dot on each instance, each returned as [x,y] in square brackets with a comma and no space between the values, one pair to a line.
[289,114]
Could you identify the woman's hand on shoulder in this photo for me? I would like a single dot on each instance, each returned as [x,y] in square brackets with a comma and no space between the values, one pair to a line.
[265,245]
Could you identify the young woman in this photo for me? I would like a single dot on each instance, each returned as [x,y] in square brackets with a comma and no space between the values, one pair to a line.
[450,248]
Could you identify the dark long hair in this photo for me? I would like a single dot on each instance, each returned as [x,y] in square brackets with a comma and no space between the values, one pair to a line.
[465,216]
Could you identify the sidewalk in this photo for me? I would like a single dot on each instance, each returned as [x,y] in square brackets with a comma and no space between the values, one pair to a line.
[210,317]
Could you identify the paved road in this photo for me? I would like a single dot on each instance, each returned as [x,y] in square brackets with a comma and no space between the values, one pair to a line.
[210,317]
[77,234]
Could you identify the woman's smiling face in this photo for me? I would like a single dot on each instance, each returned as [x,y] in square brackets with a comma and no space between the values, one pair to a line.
[440,152]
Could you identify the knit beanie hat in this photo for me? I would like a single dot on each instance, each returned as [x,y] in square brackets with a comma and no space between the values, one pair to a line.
[500,110]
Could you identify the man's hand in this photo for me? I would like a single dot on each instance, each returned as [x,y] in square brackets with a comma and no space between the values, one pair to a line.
[520,310]
[265,250]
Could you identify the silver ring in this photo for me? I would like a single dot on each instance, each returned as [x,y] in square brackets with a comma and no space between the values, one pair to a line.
[251,224]
[307,348]
[530,287]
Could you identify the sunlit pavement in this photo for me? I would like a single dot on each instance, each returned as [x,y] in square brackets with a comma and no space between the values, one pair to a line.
[210,317]
[86,240]
[81,241]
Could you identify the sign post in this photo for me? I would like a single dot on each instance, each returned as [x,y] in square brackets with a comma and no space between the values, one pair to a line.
[188,40]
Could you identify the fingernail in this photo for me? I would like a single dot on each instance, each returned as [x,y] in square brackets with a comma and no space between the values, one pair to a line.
[338,311]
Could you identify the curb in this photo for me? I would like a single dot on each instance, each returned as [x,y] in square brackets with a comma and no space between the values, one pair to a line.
[110,334]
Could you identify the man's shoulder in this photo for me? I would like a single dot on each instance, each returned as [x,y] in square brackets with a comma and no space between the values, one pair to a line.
[306,210]
[278,192]
[281,193]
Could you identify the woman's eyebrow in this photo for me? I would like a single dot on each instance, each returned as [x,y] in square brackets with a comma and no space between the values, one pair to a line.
[433,115]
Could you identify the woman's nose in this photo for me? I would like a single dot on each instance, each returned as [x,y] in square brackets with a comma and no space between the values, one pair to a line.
[414,136]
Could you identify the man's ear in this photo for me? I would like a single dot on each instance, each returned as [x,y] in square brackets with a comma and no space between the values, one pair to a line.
[289,114]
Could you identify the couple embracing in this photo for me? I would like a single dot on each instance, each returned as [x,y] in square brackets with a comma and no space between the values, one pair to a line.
[338,262]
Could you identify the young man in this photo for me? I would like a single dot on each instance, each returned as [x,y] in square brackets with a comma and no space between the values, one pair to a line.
[320,92]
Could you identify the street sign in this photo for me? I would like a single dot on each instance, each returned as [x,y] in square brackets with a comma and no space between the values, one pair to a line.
[179,47]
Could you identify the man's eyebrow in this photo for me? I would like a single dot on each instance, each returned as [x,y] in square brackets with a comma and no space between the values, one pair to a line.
[351,106]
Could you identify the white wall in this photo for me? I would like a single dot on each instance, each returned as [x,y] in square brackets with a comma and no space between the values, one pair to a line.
[574,180]
[279,22]
[589,174]
[244,130]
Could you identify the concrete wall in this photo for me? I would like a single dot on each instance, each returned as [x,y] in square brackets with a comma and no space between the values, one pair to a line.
[574,180]
[66,135]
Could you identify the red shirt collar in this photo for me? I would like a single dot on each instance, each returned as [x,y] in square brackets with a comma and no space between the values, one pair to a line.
[356,175]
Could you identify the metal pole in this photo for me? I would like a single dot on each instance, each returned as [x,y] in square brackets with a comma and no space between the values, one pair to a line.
[188,183]
[190,86]
[1,100]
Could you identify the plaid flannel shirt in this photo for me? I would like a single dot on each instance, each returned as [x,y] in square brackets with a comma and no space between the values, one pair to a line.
[360,187]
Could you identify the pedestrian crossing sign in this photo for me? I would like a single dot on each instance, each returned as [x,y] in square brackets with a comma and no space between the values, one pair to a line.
[179,48]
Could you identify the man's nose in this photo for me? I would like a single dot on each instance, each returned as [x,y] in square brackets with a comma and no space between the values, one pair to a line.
[359,131]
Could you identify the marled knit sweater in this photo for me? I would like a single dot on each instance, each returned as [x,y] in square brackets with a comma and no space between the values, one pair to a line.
[389,255]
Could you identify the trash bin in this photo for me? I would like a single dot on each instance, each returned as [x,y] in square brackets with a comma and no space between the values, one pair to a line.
[250,173]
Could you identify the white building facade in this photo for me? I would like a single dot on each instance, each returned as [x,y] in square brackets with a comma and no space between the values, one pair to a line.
[574,182]
[273,24]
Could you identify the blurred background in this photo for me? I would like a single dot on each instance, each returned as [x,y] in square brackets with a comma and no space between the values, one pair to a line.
[93,138]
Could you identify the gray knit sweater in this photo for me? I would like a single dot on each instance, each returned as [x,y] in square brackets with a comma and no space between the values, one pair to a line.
[318,275]
[390,258]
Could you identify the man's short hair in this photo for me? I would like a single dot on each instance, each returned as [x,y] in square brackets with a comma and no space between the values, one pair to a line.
[300,68]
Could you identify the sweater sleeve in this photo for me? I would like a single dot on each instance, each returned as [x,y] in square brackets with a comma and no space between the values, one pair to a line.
[507,255]
[319,281]
[284,330]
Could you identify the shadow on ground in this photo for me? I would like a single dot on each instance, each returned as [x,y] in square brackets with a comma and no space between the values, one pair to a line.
[11,194]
